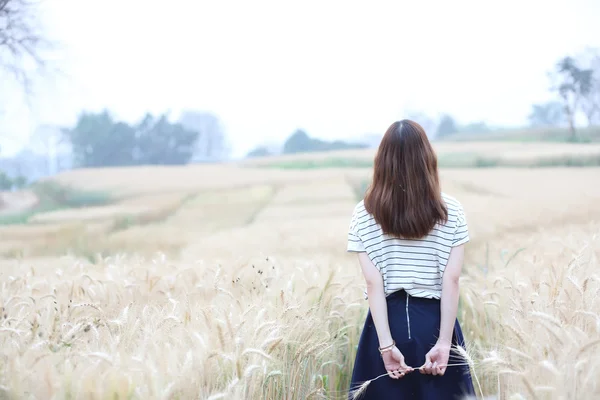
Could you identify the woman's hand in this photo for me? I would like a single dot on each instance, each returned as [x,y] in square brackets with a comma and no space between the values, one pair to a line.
[394,363]
[436,360]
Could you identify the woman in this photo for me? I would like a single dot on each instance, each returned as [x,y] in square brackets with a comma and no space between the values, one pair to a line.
[410,239]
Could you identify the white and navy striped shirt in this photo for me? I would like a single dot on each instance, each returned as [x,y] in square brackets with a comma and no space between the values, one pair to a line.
[415,265]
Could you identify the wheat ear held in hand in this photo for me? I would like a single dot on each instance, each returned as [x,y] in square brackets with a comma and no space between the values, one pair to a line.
[357,393]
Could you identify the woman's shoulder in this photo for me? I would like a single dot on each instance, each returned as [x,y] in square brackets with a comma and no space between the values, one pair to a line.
[360,213]
[452,202]
[360,206]
[359,210]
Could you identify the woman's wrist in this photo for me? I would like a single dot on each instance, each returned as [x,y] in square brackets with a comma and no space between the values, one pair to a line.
[385,340]
[390,347]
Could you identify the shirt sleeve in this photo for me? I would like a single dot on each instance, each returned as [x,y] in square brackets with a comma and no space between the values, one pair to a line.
[355,244]
[461,232]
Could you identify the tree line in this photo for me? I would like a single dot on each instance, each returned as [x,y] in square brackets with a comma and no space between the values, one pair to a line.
[98,140]
[300,142]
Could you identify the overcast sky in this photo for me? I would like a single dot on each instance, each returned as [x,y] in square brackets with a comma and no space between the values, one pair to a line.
[335,68]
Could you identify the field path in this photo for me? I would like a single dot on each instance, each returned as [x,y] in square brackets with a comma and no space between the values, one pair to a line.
[15,202]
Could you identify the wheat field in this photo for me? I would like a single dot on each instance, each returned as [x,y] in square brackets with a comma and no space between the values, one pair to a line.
[232,282]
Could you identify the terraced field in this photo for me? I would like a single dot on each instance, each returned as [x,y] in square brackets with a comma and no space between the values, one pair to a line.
[232,282]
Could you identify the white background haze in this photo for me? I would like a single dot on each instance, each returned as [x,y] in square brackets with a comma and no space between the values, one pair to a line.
[338,69]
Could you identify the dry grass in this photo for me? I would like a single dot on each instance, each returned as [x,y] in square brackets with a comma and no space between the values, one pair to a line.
[254,296]
[159,179]
[535,322]
[316,192]
[155,329]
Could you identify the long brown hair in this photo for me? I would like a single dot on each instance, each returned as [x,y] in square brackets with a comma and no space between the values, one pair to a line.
[404,196]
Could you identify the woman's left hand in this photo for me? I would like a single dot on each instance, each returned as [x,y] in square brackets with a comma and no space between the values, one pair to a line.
[394,363]
[436,360]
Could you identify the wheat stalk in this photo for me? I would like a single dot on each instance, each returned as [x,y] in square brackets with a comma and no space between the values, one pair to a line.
[360,391]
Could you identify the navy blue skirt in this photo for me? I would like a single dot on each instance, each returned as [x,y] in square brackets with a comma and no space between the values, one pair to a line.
[424,324]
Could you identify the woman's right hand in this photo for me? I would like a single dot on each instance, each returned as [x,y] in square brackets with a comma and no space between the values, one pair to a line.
[394,363]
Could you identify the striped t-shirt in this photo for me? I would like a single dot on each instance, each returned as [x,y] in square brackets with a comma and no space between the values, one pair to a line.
[415,265]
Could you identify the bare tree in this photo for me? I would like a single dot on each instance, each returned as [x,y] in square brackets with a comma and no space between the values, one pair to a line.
[21,44]
[590,104]
[20,40]
[575,85]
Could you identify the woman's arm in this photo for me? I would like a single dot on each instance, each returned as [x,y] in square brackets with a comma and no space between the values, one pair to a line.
[450,292]
[393,359]
[437,358]
[376,297]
